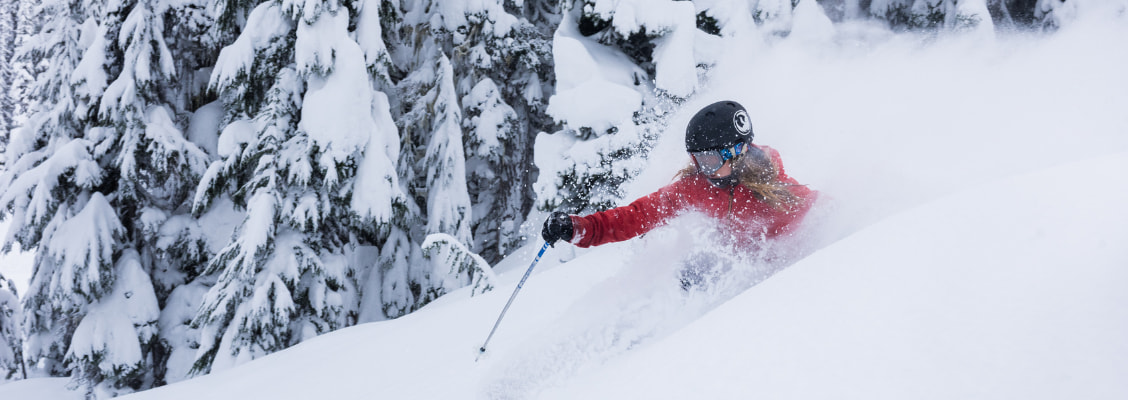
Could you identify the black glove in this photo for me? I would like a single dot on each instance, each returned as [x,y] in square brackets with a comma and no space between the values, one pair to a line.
[558,226]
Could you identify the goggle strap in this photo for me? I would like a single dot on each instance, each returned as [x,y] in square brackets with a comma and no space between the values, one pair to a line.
[728,154]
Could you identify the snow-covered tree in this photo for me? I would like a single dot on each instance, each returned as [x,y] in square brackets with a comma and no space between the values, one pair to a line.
[301,113]
[54,185]
[485,42]
[919,14]
[194,40]
[612,73]
[156,168]
[438,52]
[448,202]
[428,117]
[385,252]
[9,26]
[11,341]
[100,164]
[493,136]
[444,163]
[179,339]
[960,15]
[20,23]
[404,285]
[1013,13]
[464,268]
[73,269]
[369,34]
[111,349]
[503,69]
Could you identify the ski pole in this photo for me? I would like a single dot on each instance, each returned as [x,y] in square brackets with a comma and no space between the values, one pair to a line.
[511,297]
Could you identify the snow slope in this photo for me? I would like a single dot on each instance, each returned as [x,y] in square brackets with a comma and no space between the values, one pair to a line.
[39,388]
[1009,292]
[1000,291]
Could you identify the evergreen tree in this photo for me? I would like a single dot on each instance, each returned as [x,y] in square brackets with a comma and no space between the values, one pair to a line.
[934,15]
[11,343]
[386,215]
[484,43]
[774,16]
[301,112]
[54,185]
[404,285]
[608,104]
[439,53]
[464,268]
[1046,15]
[175,246]
[9,25]
[192,37]
[501,121]
[20,73]
[448,204]
[100,164]
[1020,12]
[429,119]
[111,349]
[1000,13]
[156,167]
[917,15]
[491,125]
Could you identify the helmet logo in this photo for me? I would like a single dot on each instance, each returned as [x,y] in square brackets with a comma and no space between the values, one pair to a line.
[741,122]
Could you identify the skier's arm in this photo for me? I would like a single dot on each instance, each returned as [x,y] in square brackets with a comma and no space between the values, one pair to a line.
[622,223]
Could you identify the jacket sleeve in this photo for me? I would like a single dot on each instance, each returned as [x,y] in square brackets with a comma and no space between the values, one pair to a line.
[622,223]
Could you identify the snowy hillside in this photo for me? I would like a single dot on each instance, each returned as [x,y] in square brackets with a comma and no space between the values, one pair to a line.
[1008,293]
[972,247]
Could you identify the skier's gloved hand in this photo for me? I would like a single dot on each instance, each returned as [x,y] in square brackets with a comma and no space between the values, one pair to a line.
[558,226]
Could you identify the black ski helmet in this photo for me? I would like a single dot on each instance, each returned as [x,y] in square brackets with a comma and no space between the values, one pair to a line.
[718,125]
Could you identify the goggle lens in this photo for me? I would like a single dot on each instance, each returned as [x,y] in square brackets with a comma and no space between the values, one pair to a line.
[709,161]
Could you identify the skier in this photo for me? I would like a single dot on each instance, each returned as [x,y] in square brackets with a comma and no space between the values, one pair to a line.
[740,184]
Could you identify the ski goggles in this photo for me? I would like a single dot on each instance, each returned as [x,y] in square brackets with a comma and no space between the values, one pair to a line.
[709,161]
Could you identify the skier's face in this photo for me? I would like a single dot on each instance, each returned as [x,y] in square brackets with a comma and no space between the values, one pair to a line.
[715,163]
[723,172]
[723,177]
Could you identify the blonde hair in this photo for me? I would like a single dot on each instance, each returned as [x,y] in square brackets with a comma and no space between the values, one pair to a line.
[758,172]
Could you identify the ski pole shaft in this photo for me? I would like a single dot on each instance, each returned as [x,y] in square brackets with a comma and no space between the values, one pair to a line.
[511,297]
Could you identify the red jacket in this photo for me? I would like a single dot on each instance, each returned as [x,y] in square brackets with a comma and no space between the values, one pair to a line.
[746,217]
